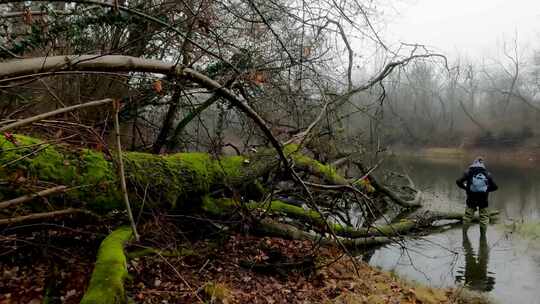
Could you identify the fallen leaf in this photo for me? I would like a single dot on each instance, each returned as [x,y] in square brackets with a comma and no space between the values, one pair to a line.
[157,86]
[27,17]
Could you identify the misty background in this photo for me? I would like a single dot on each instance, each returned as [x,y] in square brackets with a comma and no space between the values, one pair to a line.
[486,94]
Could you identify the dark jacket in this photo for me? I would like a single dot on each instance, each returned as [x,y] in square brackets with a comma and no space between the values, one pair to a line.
[464,182]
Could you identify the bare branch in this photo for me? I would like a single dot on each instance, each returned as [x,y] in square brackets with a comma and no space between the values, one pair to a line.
[39,117]
[29,197]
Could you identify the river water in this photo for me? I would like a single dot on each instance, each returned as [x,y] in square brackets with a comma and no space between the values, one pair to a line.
[503,263]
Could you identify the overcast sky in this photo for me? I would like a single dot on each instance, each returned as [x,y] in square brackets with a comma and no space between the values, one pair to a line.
[469,28]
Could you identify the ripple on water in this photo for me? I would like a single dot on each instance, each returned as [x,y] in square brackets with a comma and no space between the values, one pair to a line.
[505,262]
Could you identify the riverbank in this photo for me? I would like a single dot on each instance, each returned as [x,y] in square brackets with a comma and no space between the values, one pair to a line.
[510,274]
[224,269]
[520,157]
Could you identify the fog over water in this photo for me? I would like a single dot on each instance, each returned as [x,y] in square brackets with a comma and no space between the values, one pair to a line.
[464,28]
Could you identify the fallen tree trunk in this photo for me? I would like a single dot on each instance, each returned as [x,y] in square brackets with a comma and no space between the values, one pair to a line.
[354,238]
[415,203]
[171,180]
[107,282]
[287,231]
[420,220]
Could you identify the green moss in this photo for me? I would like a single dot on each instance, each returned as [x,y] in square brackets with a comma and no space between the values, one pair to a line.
[313,217]
[277,206]
[35,157]
[174,177]
[10,152]
[97,168]
[198,167]
[141,253]
[49,164]
[169,179]
[56,164]
[217,293]
[529,230]
[326,172]
[154,172]
[107,283]
[217,207]
[224,207]
[231,166]
[177,177]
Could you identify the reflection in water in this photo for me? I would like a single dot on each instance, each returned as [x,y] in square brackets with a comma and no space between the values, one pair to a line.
[475,273]
[518,196]
[513,259]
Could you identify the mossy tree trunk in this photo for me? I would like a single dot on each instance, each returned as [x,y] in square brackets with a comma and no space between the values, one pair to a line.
[171,180]
[180,181]
[107,282]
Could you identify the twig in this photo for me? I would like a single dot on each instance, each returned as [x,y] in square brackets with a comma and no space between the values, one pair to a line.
[384,190]
[24,156]
[256,9]
[40,216]
[4,49]
[142,204]
[116,106]
[33,119]
[301,137]
[29,197]
[368,173]
[181,277]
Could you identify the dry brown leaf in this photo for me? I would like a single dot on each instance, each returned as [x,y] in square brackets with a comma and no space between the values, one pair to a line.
[157,86]
[27,16]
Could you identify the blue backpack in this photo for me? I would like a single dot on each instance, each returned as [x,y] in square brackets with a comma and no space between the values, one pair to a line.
[479,182]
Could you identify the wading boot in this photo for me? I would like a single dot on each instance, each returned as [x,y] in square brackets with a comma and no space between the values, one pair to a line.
[484,218]
[468,216]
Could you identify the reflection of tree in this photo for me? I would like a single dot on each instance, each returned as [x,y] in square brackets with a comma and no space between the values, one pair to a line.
[367,255]
[475,274]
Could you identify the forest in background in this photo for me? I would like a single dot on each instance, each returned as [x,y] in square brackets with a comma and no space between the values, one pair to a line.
[492,104]
[296,59]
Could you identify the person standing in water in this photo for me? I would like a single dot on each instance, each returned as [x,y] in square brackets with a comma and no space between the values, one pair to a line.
[477,182]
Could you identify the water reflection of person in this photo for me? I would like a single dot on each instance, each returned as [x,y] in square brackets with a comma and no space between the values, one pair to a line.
[475,275]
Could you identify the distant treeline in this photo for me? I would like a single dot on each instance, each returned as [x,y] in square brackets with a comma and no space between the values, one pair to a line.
[462,104]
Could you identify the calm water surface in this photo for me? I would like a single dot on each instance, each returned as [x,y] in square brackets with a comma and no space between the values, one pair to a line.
[501,263]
